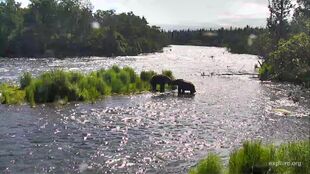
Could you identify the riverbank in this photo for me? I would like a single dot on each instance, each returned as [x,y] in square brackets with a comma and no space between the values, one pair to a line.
[62,86]
[254,157]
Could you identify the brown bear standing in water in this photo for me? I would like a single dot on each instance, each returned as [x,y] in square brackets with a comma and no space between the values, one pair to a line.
[162,80]
[184,86]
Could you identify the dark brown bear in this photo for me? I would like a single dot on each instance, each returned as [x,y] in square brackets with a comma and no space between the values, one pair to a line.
[184,86]
[162,80]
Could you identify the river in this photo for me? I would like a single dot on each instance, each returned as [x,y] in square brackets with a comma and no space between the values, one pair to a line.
[149,133]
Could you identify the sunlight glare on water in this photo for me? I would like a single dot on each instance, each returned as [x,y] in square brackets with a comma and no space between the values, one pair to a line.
[149,133]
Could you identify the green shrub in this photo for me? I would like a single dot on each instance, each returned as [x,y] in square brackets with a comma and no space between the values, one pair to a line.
[265,71]
[305,79]
[211,165]
[290,61]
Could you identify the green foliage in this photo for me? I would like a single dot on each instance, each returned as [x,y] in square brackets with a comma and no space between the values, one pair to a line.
[11,95]
[301,17]
[62,28]
[62,86]
[168,73]
[283,45]
[116,69]
[277,23]
[237,40]
[254,157]
[25,80]
[296,153]
[251,158]
[262,45]
[132,75]
[147,75]
[291,61]
[211,165]
[124,76]
[265,71]
[10,26]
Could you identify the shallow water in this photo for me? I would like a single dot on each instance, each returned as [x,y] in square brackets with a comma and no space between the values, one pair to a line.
[149,133]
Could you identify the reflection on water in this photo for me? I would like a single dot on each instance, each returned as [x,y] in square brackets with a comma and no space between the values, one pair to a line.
[149,133]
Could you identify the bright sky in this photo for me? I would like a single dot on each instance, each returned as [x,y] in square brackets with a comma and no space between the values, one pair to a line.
[176,14]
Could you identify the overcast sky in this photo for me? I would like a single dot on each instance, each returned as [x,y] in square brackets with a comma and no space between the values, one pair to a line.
[191,13]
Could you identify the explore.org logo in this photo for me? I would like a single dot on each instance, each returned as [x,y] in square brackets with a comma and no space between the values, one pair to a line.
[285,163]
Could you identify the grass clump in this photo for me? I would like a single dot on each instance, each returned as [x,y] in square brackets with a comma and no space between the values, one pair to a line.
[59,85]
[147,75]
[256,158]
[25,80]
[253,157]
[293,158]
[62,86]
[168,73]
[211,165]
[11,94]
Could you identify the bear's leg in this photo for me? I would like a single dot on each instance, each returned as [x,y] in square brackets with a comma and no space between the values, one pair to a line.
[179,90]
[154,87]
[162,87]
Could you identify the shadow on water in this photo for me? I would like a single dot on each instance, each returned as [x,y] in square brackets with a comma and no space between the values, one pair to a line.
[172,94]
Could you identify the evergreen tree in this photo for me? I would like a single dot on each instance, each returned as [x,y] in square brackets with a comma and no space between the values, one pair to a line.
[277,23]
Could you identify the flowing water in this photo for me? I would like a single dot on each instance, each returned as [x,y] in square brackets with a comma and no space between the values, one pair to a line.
[149,133]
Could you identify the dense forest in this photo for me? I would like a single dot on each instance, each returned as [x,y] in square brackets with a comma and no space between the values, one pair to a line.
[238,40]
[64,28]
[284,44]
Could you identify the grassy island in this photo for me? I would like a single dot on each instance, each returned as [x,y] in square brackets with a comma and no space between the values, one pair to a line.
[254,157]
[59,85]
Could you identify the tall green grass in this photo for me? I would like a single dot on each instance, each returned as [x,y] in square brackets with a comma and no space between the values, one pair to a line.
[11,95]
[253,157]
[147,75]
[256,158]
[59,85]
[168,73]
[211,165]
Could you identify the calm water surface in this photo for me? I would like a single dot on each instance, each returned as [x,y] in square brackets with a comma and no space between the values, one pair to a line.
[149,133]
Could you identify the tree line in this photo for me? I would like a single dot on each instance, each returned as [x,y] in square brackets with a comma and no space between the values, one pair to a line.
[237,40]
[64,28]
